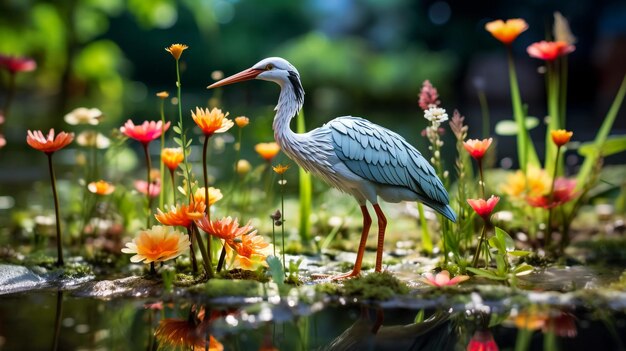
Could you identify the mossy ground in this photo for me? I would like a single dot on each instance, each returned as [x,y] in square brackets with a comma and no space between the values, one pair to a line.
[374,286]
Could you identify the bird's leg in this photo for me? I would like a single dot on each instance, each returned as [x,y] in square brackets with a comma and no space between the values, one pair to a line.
[382,225]
[367,223]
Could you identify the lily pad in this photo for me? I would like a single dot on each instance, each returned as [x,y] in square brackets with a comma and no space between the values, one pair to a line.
[508,127]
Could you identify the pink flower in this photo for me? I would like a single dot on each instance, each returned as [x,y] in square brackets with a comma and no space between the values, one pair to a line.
[48,144]
[484,207]
[142,187]
[477,148]
[428,96]
[442,279]
[549,50]
[17,64]
[482,341]
[3,141]
[145,132]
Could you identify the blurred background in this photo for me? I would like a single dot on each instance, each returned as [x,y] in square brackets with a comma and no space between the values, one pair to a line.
[356,57]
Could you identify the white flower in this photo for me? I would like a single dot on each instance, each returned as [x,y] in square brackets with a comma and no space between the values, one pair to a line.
[436,114]
[84,115]
[90,138]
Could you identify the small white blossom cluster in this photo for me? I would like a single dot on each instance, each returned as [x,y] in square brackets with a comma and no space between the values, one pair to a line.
[436,115]
[84,115]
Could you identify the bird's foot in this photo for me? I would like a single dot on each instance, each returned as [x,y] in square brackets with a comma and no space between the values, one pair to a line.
[349,275]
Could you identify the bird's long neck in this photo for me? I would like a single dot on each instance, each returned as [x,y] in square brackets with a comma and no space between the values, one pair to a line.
[289,104]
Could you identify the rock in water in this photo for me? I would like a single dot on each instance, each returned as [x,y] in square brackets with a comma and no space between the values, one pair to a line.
[17,278]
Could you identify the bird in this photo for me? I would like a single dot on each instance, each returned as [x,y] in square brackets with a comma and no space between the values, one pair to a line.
[349,153]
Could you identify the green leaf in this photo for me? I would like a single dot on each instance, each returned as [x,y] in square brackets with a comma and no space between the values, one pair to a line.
[276,270]
[508,127]
[176,129]
[613,145]
[497,244]
[523,269]
[188,142]
[419,318]
[503,236]
[519,253]
[485,273]
[501,264]
[178,141]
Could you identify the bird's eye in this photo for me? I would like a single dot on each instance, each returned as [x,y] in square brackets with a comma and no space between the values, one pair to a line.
[269,67]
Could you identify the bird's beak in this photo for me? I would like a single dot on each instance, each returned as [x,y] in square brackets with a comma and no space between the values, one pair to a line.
[248,74]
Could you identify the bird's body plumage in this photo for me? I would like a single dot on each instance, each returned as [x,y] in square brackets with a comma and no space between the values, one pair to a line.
[349,153]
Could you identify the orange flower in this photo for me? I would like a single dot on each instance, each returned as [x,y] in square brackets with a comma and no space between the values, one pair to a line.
[549,50]
[251,251]
[508,31]
[176,50]
[50,143]
[280,169]
[561,136]
[145,132]
[172,157]
[267,150]
[163,94]
[213,121]
[186,333]
[484,207]
[157,244]
[227,229]
[242,121]
[181,215]
[477,148]
[101,187]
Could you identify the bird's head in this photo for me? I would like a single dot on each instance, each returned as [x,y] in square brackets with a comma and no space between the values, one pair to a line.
[273,69]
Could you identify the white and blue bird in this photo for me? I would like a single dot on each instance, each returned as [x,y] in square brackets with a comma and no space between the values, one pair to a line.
[351,154]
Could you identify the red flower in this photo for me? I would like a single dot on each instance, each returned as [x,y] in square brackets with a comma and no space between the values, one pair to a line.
[482,341]
[17,64]
[549,50]
[145,132]
[564,191]
[477,148]
[484,207]
[50,143]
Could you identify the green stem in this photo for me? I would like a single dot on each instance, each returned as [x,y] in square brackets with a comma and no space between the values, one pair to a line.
[551,198]
[220,263]
[484,108]
[553,114]
[56,211]
[274,235]
[172,176]
[10,95]
[480,244]
[149,165]
[525,149]
[208,266]
[162,168]
[282,219]
[192,250]
[427,243]
[563,90]
[207,209]
[152,269]
[482,179]
[183,134]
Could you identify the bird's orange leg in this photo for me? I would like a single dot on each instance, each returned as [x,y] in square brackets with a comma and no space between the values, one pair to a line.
[367,223]
[382,225]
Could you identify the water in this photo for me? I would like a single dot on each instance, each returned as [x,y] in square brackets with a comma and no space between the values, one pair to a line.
[49,320]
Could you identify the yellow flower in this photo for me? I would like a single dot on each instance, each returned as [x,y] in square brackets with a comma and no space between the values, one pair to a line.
[280,169]
[176,50]
[213,121]
[508,31]
[163,94]
[250,253]
[157,244]
[243,167]
[242,121]
[267,150]
[172,157]
[101,187]
[215,195]
[518,186]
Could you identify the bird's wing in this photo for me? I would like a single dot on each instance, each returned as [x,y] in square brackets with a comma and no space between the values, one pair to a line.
[382,156]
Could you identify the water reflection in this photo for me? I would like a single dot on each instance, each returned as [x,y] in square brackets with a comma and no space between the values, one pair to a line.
[62,321]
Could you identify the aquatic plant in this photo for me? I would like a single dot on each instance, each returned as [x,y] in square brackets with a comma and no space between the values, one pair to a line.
[483,208]
[49,145]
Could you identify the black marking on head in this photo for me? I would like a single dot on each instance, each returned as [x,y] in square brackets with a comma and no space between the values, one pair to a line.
[297,86]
